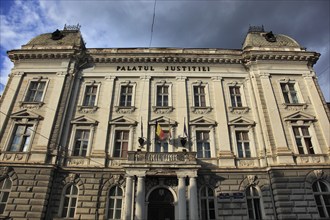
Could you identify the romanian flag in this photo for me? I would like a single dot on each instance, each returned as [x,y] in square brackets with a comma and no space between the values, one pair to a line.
[159,132]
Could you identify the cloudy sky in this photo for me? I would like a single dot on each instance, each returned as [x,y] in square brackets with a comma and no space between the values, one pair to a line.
[177,23]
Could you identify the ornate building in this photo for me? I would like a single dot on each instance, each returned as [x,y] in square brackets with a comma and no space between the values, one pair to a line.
[164,133]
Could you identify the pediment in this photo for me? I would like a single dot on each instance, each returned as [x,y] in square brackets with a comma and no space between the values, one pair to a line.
[26,114]
[84,120]
[241,121]
[203,121]
[299,116]
[123,120]
[163,120]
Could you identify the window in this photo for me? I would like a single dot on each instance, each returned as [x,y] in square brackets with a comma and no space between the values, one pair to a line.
[5,186]
[81,143]
[235,96]
[90,95]
[289,93]
[35,91]
[253,202]
[69,202]
[126,95]
[322,198]
[115,202]
[243,144]
[203,144]
[207,205]
[303,140]
[21,138]
[121,143]
[199,96]
[162,145]
[162,95]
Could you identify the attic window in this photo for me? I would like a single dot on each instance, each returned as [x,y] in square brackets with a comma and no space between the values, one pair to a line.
[270,37]
[57,35]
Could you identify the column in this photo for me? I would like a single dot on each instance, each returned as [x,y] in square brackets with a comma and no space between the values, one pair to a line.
[182,197]
[193,203]
[128,198]
[140,198]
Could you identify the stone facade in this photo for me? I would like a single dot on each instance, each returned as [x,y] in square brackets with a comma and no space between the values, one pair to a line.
[245,132]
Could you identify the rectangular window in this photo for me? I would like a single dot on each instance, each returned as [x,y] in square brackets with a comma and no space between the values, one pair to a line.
[235,96]
[21,138]
[162,145]
[203,144]
[243,144]
[126,95]
[199,96]
[81,143]
[35,92]
[289,93]
[121,144]
[90,95]
[162,95]
[303,140]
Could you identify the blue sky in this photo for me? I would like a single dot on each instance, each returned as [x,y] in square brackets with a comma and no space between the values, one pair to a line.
[178,23]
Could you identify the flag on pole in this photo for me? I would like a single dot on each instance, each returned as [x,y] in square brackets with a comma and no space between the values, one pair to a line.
[169,129]
[141,128]
[159,132]
[185,132]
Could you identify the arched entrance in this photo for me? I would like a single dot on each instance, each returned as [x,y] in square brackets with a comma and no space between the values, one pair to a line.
[161,205]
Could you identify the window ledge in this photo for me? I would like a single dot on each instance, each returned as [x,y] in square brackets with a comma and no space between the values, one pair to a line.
[125,109]
[239,110]
[201,110]
[295,106]
[31,105]
[162,109]
[87,109]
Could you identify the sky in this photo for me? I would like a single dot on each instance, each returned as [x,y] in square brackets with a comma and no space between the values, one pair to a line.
[177,23]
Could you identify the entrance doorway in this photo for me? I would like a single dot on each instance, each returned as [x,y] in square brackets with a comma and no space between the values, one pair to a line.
[161,205]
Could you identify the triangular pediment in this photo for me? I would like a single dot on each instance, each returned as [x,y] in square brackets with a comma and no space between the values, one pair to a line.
[84,120]
[241,121]
[163,120]
[203,121]
[26,114]
[122,120]
[299,116]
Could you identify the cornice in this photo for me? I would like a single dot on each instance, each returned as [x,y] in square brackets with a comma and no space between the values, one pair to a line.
[15,55]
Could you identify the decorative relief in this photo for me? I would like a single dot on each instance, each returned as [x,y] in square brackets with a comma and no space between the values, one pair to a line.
[201,110]
[171,182]
[125,110]
[62,73]
[72,177]
[239,110]
[246,163]
[304,159]
[31,105]
[150,183]
[319,174]
[295,107]
[316,159]
[76,161]
[162,110]
[87,109]
[252,179]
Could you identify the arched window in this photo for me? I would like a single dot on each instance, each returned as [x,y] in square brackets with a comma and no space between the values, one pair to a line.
[5,186]
[322,198]
[115,203]
[207,204]
[69,201]
[253,202]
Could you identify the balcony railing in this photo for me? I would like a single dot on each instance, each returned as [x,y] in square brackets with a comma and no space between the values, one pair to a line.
[168,157]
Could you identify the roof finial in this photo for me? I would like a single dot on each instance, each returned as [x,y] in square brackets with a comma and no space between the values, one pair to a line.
[72,27]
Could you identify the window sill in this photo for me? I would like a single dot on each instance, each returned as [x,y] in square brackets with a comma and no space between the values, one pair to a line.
[87,109]
[239,110]
[31,105]
[295,106]
[162,109]
[125,109]
[201,110]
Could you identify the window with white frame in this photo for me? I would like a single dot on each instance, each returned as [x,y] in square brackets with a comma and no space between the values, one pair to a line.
[90,95]
[81,142]
[253,201]
[162,99]
[207,204]
[161,145]
[121,143]
[115,203]
[289,92]
[243,144]
[235,96]
[199,95]
[322,198]
[69,201]
[303,140]
[35,91]
[21,138]
[5,188]
[203,144]
[126,96]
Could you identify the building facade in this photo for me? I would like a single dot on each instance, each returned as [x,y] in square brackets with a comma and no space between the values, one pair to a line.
[164,133]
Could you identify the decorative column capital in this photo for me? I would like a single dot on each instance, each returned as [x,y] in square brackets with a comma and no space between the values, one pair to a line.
[181,78]
[216,78]
[110,77]
[145,77]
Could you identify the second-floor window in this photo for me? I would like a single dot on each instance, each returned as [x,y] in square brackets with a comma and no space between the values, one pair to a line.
[199,96]
[163,96]
[121,143]
[35,91]
[243,144]
[126,94]
[81,143]
[90,95]
[203,144]
[21,138]
[303,140]
[235,96]
[289,93]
